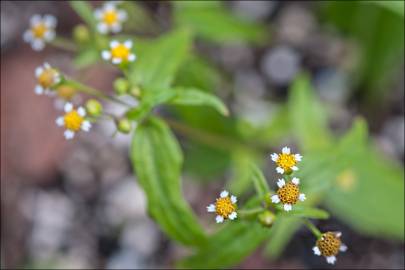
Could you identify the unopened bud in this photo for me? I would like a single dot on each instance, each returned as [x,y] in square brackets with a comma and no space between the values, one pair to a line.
[81,33]
[121,86]
[135,91]
[266,218]
[66,92]
[94,108]
[124,125]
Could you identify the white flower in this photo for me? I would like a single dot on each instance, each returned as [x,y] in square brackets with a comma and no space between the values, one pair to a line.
[329,245]
[73,121]
[41,31]
[119,52]
[109,18]
[224,207]
[286,162]
[46,76]
[288,193]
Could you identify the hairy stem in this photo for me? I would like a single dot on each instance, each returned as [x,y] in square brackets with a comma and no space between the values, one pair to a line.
[312,228]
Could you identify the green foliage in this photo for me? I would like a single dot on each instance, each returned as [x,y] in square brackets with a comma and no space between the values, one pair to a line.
[211,21]
[157,159]
[85,11]
[86,58]
[159,59]
[227,247]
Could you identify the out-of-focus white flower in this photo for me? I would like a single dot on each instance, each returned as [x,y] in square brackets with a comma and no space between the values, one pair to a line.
[73,121]
[46,76]
[119,52]
[110,18]
[41,31]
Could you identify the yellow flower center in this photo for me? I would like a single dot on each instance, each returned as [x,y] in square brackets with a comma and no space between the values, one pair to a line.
[286,161]
[224,207]
[110,17]
[73,120]
[39,30]
[66,92]
[47,78]
[329,244]
[120,51]
[289,193]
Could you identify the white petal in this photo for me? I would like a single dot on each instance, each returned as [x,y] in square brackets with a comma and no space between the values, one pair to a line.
[68,107]
[47,65]
[128,44]
[298,157]
[211,208]
[285,150]
[27,36]
[39,90]
[35,19]
[338,234]
[109,6]
[295,181]
[86,125]
[233,215]
[38,71]
[316,250]
[60,121]
[302,197]
[280,183]
[131,57]
[57,78]
[50,21]
[343,247]
[280,170]
[114,44]
[122,15]
[81,111]
[49,35]
[102,28]
[98,14]
[274,157]
[275,199]
[287,207]
[106,55]
[116,60]
[219,219]
[69,134]
[37,44]
[233,199]
[331,259]
[116,27]
[294,168]
[224,194]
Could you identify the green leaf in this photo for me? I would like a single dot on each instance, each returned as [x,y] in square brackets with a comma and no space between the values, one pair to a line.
[159,59]
[229,246]
[304,211]
[85,11]
[395,6]
[211,21]
[86,58]
[157,159]
[307,116]
[195,97]
[259,181]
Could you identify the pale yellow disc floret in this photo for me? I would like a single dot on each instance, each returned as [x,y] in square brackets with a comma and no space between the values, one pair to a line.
[286,162]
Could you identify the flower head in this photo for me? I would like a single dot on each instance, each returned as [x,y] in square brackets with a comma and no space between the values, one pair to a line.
[109,18]
[286,162]
[46,76]
[42,30]
[288,194]
[329,246]
[224,207]
[119,52]
[73,120]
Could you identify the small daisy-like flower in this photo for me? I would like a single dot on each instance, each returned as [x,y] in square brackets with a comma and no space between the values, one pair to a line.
[46,76]
[42,30]
[73,121]
[286,162]
[224,207]
[288,194]
[329,246]
[119,52]
[110,18]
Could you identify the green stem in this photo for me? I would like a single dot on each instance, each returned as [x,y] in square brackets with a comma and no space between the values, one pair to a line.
[312,228]
[64,44]
[249,212]
[92,91]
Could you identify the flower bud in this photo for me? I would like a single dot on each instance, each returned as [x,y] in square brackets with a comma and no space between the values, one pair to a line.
[124,125]
[94,108]
[66,92]
[266,218]
[121,86]
[81,33]
[135,91]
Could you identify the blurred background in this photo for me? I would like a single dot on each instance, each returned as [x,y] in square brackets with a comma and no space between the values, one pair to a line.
[77,204]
